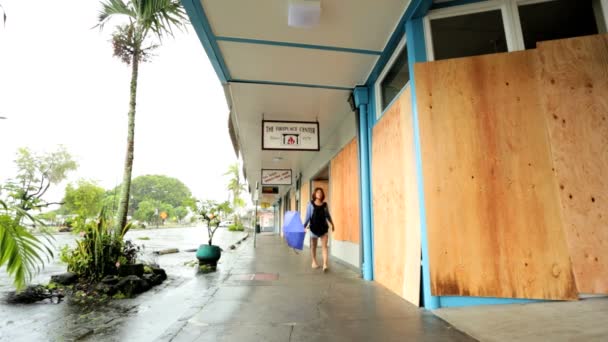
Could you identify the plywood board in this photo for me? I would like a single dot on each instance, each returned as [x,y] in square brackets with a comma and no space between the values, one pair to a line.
[396,210]
[492,209]
[344,188]
[304,198]
[292,201]
[574,77]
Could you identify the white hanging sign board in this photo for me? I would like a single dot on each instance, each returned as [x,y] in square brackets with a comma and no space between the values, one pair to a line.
[290,135]
[276,177]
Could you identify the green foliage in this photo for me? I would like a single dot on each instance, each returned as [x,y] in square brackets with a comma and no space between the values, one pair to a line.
[159,188]
[84,199]
[143,238]
[20,251]
[236,188]
[236,227]
[98,252]
[150,210]
[212,213]
[35,174]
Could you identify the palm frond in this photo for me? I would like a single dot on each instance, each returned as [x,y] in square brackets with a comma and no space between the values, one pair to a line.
[160,16]
[113,8]
[20,250]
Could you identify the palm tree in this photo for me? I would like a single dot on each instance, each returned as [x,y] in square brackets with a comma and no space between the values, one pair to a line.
[133,43]
[235,187]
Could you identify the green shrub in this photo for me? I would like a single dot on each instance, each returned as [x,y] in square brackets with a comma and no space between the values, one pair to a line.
[236,227]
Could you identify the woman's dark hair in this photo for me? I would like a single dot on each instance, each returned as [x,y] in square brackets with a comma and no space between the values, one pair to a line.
[314,193]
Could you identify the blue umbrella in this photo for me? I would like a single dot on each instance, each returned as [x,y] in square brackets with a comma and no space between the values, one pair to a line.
[294,230]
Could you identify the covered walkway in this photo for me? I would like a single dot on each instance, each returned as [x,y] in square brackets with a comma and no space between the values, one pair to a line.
[270,293]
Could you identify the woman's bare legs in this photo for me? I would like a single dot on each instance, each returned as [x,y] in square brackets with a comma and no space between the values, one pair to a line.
[324,239]
[313,252]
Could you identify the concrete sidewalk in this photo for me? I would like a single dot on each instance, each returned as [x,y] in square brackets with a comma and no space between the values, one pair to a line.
[272,294]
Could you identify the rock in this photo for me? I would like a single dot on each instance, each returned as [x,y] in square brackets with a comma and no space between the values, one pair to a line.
[232,247]
[160,272]
[190,250]
[153,279]
[67,278]
[31,294]
[65,229]
[110,280]
[131,269]
[108,289]
[132,285]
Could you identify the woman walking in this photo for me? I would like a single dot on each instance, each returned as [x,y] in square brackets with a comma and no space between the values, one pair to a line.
[318,216]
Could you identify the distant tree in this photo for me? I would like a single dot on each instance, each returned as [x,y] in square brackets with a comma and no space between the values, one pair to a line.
[35,175]
[132,42]
[149,211]
[83,199]
[3,14]
[180,213]
[236,188]
[159,188]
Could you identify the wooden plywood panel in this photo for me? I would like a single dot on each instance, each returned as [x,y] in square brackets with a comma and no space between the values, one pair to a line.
[574,77]
[493,214]
[344,188]
[304,199]
[292,201]
[396,210]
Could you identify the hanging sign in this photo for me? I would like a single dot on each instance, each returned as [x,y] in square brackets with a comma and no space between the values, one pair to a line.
[276,177]
[272,190]
[290,135]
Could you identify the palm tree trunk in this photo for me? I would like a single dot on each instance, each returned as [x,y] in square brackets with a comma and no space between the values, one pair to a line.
[121,217]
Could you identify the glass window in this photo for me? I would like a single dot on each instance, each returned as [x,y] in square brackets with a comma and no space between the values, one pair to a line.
[468,35]
[556,20]
[395,79]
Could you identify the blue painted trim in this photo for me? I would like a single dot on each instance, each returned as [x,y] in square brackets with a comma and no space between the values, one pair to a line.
[454,3]
[297,45]
[361,95]
[288,84]
[416,52]
[195,11]
[416,9]
[456,301]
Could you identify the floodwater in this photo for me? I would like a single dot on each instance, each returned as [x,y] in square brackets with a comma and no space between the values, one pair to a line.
[45,321]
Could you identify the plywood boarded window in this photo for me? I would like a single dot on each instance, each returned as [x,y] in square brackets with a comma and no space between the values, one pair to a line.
[493,212]
[395,201]
[344,188]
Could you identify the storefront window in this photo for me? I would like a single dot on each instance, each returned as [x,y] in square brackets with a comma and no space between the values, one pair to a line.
[468,35]
[556,20]
[395,79]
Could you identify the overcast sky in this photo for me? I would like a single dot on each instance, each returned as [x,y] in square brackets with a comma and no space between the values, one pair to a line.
[60,84]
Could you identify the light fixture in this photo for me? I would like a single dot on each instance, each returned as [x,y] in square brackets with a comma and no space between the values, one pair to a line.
[304,13]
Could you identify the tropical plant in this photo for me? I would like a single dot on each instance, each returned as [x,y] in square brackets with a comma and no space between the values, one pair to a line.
[212,213]
[133,42]
[20,250]
[236,188]
[100,252]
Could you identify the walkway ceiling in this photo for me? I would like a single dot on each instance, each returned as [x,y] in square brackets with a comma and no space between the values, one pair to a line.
[274,71]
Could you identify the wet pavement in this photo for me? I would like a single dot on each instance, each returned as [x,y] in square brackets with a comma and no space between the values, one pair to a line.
[139,319]
[269,293]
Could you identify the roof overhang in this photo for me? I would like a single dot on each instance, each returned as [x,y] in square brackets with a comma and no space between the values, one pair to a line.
[276,72]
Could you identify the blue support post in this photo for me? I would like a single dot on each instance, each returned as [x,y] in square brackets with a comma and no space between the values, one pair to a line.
[416,51]
[361,101]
